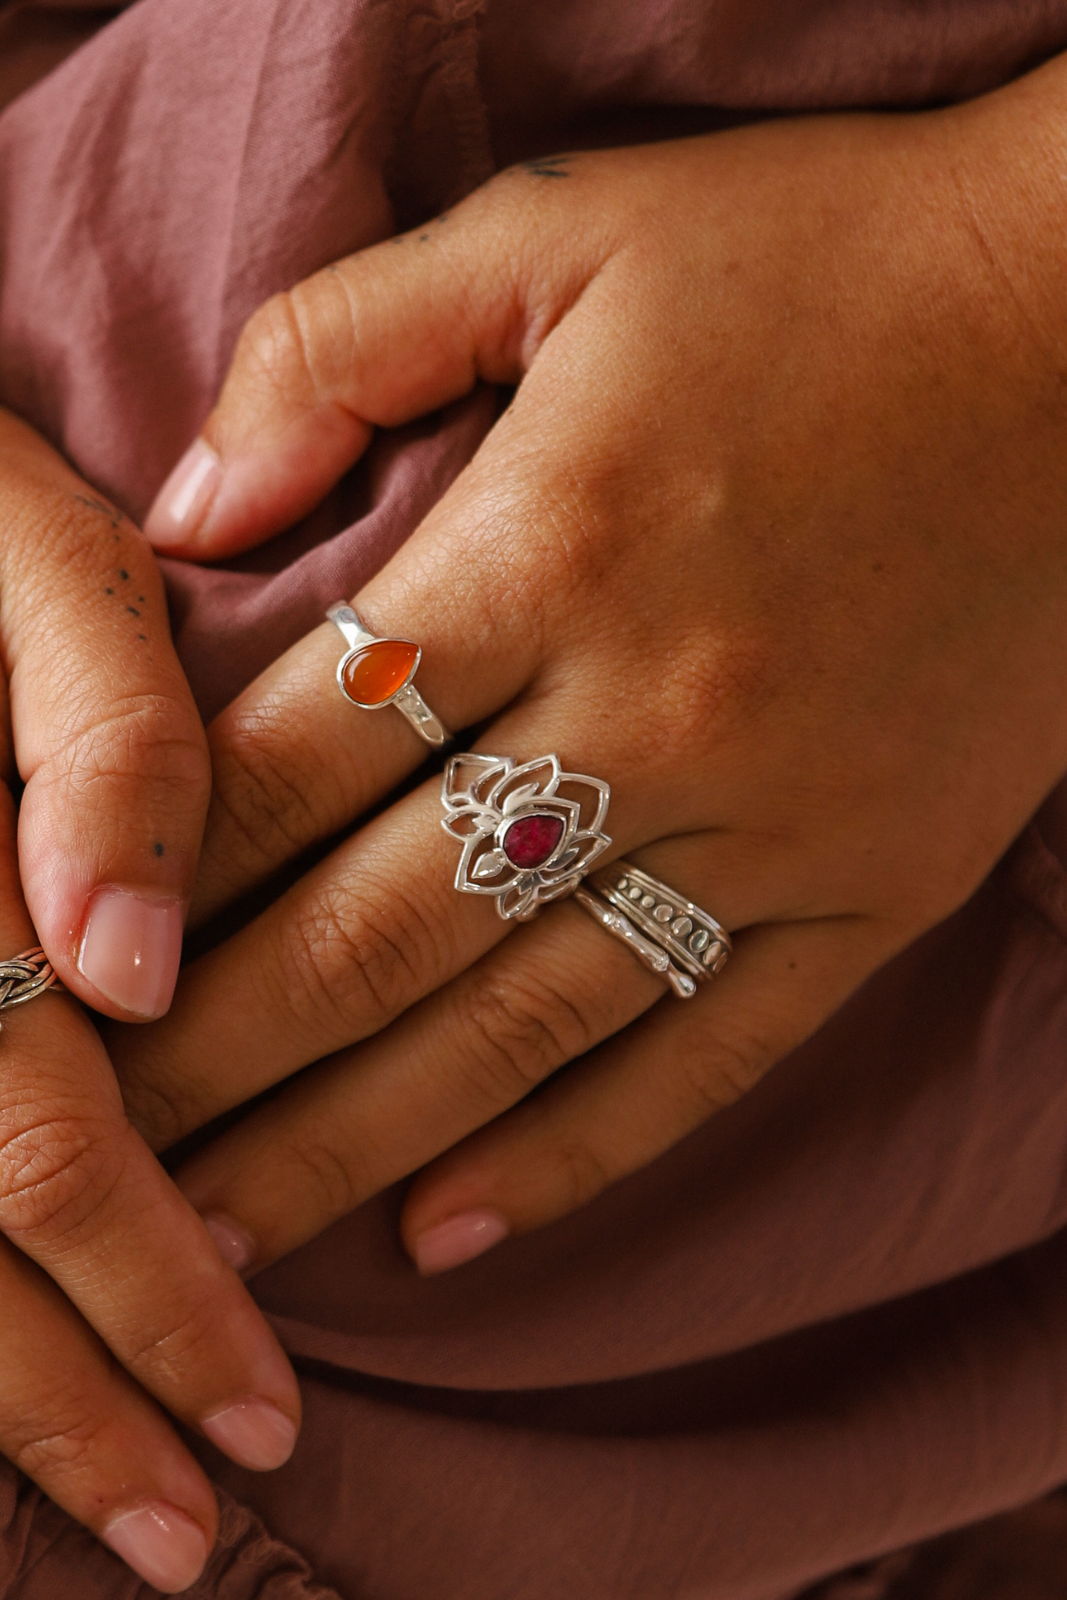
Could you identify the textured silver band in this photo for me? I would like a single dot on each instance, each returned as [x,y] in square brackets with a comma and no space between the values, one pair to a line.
[651,955]
[24,977]
[407,698]
[671,935]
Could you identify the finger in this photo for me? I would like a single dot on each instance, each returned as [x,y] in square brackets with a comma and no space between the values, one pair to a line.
[107,737]
[642,1092]
[371,1115]
[91,1439]
[370,931]
[81,1194]
[375,340]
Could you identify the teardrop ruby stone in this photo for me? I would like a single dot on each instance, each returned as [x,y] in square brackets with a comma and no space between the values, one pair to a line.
[531,840]
[373,675]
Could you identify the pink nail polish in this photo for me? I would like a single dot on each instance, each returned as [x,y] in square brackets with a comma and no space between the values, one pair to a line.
[459,1239]
[162,1545]
[131,949]
[184,500]
[233,1244]
[253,1433]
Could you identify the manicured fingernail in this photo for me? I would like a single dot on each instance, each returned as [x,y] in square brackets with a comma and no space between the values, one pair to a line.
[253,1433]
[131,949]
[183,502]
[233,1244]
[161,1544]
[459,1239]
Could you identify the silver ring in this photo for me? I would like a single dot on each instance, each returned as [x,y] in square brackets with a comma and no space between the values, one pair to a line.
[529,833]
[652,955]
[377,672]
[24,977]
[658,924]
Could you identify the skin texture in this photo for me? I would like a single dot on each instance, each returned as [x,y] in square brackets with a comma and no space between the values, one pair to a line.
[116,1302]
[770,537]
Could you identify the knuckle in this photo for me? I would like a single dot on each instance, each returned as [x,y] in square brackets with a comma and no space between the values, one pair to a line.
[274,803]
[143,737]
[161,1107]
[56,1436]
[188,1341]
[279,352]
[327,1179]
[56,1172]
[711,690]
[514,1036]
[712,1080]
[578,1173]
[362,955]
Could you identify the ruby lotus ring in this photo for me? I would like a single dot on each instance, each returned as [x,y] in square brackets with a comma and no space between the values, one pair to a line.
[529,833]
[377,672]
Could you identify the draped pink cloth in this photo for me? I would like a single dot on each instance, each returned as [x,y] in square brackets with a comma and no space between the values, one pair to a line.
[833,1322]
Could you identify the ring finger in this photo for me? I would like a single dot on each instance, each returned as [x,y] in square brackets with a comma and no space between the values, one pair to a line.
[466,1056]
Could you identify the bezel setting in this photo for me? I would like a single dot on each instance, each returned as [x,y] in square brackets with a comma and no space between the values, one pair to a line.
[484,796]
[360,649]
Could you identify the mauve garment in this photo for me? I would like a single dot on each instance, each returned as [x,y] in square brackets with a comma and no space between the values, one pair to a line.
[833,1322]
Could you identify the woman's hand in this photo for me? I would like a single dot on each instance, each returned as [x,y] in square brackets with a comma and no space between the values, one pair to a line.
[771,538]
[114,763]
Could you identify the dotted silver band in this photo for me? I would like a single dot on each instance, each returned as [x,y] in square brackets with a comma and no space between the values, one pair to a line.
[693,939]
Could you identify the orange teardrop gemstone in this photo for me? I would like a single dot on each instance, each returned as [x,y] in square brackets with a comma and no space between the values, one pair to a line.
[376,672]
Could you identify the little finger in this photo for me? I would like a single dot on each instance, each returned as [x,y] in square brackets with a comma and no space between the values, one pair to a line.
[640,1093]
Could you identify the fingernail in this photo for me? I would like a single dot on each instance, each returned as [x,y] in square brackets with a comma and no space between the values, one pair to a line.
[233,1244]
[459,1239]
[131,949]
[161,1544]
[183,501]
[253,1433]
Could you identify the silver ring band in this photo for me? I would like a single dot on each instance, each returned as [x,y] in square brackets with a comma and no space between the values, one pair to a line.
[671,935]
[691,936]
[651,955]
[24,977]
[382,671]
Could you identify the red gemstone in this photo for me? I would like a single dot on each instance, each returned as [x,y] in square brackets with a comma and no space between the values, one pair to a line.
[531,840]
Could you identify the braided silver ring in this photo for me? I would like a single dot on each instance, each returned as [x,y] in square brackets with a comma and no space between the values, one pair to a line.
[24,977]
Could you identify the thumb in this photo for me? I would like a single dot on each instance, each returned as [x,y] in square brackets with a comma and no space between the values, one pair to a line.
[374,341]
[106,735]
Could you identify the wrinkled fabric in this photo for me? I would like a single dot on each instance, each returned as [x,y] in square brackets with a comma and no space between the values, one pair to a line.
[830,1325]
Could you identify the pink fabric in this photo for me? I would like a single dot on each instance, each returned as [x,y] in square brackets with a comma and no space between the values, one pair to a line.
[834,1321]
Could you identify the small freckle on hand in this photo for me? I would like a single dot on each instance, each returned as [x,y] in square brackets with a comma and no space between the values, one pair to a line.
[157,848]
[133,611]
[109,591]
[124,575]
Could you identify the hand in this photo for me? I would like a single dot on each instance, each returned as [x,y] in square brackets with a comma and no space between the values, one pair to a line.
[103,1265]
[770,537]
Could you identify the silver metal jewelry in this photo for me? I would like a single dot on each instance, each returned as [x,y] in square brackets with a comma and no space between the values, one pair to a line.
[691,936]
[529,833]
[387,668]
[24,977]
[652,955]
